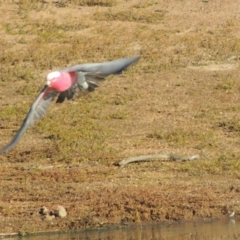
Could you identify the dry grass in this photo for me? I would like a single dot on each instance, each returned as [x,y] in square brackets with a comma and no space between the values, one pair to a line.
[182,97]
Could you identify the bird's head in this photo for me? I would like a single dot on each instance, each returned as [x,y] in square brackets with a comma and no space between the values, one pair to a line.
[52,77]
[60,81]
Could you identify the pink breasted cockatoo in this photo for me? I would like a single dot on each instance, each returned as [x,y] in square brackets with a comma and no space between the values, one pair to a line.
[64,83]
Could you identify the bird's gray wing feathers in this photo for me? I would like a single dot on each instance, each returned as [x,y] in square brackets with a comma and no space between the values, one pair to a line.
[36,111]
[90,74]
[106,68]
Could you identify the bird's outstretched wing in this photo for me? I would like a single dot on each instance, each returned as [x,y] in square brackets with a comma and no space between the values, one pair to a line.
[90,74]
[36,111]
[107,68]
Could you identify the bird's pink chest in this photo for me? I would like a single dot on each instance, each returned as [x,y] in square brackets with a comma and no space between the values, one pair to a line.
[64,82]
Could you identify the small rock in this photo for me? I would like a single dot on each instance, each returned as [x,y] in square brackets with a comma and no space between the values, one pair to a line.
[61,212]
[44,211]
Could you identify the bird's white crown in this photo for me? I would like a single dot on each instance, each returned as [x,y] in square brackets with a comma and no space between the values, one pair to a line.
[53,75]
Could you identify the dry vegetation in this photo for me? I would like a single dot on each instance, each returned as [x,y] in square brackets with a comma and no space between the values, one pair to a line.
[182,97]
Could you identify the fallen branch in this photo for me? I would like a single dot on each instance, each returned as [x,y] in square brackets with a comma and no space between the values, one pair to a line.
[161,156]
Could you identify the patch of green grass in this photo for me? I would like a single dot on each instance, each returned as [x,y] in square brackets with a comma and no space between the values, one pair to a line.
[130,15]
[49,35]
[48,31]
[232,125]
[181,137]
[38,5]
[202,114]
[118,115]
[212,47]
[228,84]
[12,112]
[24,6]
[101,3]
[74,133]
[145,4]
[223,163]
[123,99]
[233,108]
[28,89]
[16,67]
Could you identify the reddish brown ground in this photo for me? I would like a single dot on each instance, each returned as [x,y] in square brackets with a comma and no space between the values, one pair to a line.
[182,97]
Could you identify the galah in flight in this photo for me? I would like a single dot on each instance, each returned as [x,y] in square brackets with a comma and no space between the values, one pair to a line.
[64,84]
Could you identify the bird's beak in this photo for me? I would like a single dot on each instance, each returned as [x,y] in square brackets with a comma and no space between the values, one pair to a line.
[48,83]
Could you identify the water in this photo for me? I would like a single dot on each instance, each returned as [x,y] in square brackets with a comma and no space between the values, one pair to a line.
[228,229]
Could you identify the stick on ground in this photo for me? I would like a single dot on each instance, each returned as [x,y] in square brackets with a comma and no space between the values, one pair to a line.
[161,156]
